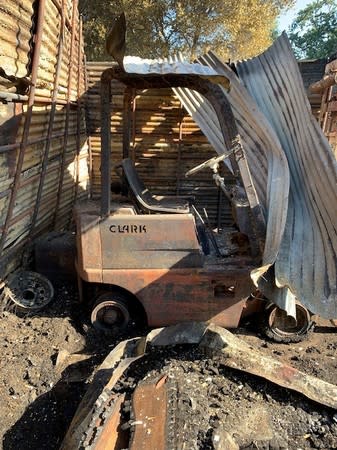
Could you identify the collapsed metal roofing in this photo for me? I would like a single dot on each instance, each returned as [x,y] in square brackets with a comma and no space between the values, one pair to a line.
[293,169]
[307,258]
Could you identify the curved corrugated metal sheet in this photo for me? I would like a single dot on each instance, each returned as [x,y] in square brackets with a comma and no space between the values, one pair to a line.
[15,36]
[307,260]
[277,129]
[204,115]
[266,159]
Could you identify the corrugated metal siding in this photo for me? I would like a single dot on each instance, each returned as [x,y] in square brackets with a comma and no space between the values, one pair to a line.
[307,260]
[43,143]
[15,36]
[165,143]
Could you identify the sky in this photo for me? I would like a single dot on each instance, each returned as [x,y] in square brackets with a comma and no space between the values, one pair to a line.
[286,19]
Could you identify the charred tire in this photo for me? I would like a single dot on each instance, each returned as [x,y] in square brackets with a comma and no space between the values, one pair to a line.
[110,312]
[29,291]
[279,327]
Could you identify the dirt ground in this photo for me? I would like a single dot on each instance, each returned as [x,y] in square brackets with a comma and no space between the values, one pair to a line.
[47,360]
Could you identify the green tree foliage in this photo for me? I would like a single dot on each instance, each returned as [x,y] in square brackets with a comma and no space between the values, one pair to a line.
[314,30]
[157,28]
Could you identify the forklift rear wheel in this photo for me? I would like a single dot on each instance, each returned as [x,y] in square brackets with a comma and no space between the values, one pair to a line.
[110,312]
[280,327]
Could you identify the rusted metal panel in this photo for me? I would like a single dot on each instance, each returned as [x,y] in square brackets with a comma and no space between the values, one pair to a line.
[16,27]
[150,416]
[90,241]
[242,356]
[34,152]
[44,162]
[307,259]
[27,123]
[70,82]
[216,294]
[150,241]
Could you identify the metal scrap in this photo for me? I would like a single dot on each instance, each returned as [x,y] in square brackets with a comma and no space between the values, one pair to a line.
[100,407]
[306,264]
[242,356]
[287,155]
[149,416]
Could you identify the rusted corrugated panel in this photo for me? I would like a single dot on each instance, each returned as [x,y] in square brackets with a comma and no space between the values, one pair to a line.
[15,36]
[165,143]
[307,259]
[43,142]
[52,35]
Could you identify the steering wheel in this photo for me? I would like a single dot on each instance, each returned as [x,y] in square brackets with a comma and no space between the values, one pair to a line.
[211,163]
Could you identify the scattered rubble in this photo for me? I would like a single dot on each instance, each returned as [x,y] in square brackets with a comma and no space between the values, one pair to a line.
[40,391]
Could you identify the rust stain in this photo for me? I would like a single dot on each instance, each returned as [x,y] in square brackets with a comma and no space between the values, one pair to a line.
[287,373]
[149,404]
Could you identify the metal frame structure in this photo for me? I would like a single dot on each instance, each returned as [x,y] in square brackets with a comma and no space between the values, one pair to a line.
[212,92]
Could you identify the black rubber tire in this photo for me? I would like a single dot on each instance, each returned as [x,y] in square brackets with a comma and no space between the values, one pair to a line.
[110,312]
[273,316]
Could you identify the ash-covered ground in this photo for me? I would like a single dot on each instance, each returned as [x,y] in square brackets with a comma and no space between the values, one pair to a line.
[48,359]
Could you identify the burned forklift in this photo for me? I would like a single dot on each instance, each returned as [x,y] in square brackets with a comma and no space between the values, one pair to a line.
[144,255]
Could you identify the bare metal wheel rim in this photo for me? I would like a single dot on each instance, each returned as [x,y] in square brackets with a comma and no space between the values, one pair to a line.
[110,314]
[285,325]
[30,291]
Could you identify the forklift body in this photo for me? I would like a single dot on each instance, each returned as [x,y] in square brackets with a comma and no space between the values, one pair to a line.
[158,259]
[154,257]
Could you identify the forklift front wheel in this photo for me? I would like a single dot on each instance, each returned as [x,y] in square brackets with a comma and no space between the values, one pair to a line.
[110,313]
[280,327]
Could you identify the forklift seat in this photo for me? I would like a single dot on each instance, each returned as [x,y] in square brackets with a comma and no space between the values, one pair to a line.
[148,202]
